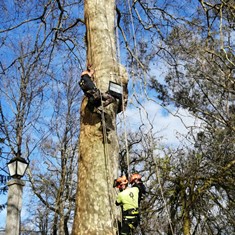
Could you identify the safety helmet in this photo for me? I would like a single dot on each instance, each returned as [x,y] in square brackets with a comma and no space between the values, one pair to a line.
[134,177]
[121,181]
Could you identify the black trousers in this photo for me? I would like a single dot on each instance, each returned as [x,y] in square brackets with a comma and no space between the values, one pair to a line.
[128,225]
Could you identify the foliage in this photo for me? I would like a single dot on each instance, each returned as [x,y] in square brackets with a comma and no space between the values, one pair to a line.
[202,81]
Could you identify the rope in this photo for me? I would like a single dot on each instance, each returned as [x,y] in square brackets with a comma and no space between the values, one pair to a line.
[106,156]
[160,185]
[123,103]
[163,198]
[124,118]
[126,146]
[157,171]
[125,131]
[133,27]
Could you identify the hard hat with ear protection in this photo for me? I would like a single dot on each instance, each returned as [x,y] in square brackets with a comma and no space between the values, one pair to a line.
[135,177]
[120,181]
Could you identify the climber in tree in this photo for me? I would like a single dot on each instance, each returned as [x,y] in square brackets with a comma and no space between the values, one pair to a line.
[92,92]
[129,199]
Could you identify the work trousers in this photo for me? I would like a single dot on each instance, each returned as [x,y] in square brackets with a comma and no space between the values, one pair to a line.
[129,225]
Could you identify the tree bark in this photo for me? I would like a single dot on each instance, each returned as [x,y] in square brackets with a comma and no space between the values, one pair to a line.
[98,162]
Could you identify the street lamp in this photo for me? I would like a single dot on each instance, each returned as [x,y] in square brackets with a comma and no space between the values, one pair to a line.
[17,167]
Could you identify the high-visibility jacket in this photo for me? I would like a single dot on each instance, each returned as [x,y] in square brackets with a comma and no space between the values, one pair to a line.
[129,200]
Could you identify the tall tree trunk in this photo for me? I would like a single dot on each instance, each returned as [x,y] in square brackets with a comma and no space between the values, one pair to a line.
[98,163]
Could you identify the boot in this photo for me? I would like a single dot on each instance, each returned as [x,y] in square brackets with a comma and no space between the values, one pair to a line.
[108,122]
[108,101]
[96,94]
[107,128]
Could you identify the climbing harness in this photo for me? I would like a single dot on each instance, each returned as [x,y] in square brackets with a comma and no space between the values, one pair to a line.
[131,212]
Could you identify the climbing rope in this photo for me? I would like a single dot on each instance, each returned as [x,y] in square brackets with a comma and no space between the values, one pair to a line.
[124,118]
[163,198]
[123,101]
[106,156]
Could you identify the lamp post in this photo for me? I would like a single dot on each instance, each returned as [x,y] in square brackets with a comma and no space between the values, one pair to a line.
[17,167]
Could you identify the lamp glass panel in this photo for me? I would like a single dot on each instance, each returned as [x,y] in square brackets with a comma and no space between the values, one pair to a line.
[21,168]
[12,168]
[116,88]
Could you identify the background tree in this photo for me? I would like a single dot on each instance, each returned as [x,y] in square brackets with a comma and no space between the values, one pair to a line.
[54,177]
[29,77]
[202,81]
[3,177]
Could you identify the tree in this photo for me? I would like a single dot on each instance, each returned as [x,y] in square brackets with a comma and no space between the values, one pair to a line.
[54,182]
[201,81]
[27,83]
[3,178]
[95,208]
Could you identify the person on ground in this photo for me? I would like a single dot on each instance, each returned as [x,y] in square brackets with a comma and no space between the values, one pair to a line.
[129,200]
